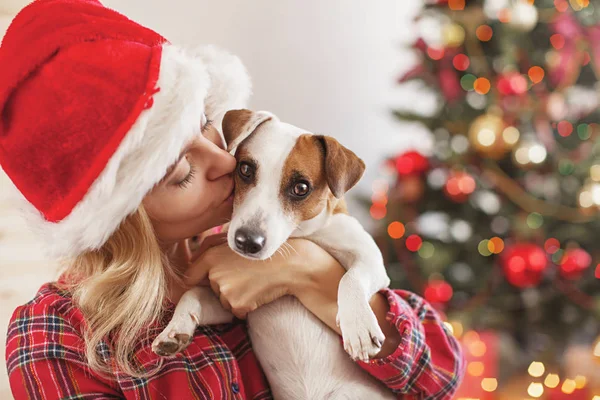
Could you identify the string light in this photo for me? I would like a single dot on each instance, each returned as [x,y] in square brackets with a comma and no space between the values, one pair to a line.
[413,243]
[477,348]
[461,62]
[565,128]
[561,5]
[482,85]
[435,53]
[456,5]
[535,220]
[511,135]
[536,369]
[426,250]
[552,245]
[496,245]
[475,368]
[536,74]
[580,381]
[457,329]
[557,41]
[568,386]
[484,33]
[504,15]
[396,230]
[489,384]
[535,389]
[484,248]
[595,172]
[552,381]
[378,211]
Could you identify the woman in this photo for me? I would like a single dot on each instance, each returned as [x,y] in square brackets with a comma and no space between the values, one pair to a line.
[110,136]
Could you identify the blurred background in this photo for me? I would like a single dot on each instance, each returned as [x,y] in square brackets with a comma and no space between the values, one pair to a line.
[479,125]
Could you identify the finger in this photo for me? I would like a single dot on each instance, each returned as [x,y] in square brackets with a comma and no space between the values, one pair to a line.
[240,314]
[215,287]
[182,251]
[210,242]
[225,303]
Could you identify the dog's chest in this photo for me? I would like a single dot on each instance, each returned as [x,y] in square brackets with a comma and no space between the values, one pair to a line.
[303,359]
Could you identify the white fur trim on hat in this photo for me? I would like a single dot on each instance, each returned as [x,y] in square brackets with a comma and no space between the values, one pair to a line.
[191,83]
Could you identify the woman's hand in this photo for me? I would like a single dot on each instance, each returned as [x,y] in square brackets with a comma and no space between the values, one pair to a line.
[243,285]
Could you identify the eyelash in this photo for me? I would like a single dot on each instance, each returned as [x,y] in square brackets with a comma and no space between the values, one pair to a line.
[207,125]
[186,181]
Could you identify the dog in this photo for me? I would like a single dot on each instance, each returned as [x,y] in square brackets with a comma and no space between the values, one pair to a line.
[290,183]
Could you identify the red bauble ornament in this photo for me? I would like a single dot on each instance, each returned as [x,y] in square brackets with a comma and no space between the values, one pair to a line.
[438,291]
[411,163]
[574,263]
[459,186]
[524,264]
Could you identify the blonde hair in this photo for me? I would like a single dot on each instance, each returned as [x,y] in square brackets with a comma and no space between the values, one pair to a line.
[121,290]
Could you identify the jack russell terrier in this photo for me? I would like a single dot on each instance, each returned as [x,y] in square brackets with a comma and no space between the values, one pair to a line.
[289,183]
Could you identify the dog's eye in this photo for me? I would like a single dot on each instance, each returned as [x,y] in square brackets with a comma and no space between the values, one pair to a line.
[245,170]
[301,189]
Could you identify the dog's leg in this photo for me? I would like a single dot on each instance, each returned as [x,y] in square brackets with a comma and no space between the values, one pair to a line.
[197,306]
[355,249]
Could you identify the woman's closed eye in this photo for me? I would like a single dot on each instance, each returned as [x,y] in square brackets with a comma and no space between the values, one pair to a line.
[183,183]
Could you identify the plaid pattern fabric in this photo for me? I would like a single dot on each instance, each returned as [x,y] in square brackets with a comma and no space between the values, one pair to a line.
[45,358]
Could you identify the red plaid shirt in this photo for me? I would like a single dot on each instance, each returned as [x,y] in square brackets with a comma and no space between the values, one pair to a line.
[45,358]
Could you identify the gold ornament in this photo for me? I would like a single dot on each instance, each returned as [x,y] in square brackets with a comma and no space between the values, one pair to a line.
[454,35]
[489,136]
[596,350]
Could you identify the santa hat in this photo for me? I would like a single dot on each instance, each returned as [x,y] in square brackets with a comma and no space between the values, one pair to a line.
[94,108]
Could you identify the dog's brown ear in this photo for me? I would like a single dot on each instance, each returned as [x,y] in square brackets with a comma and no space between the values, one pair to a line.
[239,124]
[343,168]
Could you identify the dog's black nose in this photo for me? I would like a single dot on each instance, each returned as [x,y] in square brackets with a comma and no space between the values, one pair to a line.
[249,241]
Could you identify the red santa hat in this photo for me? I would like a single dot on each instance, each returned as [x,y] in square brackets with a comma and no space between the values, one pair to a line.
[94,108]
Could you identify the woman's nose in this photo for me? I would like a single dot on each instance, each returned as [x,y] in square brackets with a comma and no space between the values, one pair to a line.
[220,162]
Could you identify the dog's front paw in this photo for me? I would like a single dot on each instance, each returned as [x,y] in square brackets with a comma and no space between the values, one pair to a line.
[175,338]
[362,335]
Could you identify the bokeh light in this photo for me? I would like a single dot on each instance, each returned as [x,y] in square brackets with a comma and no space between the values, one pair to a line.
[461,62]
[557,40]
[536,74]
[396,230]
[413,243]
[482,85]
[489,384]
[484,33]
[565,128]
[551,381]
[456,5]
[552,245]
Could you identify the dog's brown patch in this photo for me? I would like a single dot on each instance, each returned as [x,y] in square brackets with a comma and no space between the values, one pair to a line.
[234,122]
[305,161]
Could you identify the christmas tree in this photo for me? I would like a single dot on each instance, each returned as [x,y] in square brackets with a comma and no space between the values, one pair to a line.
[499,226]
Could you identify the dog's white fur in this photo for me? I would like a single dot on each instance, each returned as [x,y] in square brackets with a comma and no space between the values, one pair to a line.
[206,79]
[301,356]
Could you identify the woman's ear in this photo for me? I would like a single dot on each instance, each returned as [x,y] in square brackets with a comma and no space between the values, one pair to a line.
[238,125]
